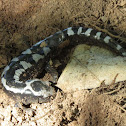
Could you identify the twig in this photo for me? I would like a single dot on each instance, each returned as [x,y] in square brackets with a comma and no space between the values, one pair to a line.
[111,92]
[114,79]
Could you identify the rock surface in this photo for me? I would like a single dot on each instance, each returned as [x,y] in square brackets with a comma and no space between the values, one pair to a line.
[89,66]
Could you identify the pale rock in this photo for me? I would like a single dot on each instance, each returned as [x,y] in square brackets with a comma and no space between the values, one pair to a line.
[89,66]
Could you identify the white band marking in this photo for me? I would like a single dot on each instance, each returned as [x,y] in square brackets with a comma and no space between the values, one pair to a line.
[28,51]
[87,33]
[79,31]
[70,31]
[37,57]
[118,47]
[106,39]
[25,64]
[97,36]
[46,50]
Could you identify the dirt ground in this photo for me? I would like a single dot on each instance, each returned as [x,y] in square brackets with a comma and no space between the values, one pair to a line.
[23,23]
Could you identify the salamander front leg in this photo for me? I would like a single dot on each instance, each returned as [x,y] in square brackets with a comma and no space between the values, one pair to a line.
[51,70]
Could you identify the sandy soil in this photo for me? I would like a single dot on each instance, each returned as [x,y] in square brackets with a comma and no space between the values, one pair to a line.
[24,23]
